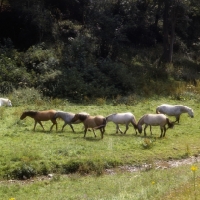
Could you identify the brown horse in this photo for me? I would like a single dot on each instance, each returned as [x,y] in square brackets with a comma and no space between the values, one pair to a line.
[39,116]
[94,122]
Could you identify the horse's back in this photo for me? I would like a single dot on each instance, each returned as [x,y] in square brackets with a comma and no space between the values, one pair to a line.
[93,121]
[169,109]
[122,118]
[154,119]
[66,116]
[45,115]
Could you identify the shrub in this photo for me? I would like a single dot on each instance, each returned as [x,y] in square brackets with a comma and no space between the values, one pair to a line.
[23,172]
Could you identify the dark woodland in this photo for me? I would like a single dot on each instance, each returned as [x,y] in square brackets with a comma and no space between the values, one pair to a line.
[81,49]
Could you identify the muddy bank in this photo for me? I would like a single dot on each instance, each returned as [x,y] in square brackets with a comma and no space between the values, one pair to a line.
[127,168]
[157,165]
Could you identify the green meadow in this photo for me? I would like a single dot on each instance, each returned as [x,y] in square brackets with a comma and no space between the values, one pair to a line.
[90,168]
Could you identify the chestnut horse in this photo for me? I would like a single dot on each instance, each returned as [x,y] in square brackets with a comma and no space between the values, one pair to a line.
[154,120]
[94,122]
[39,116]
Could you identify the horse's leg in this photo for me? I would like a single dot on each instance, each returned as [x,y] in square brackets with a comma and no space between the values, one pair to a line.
[72,127]
[69,125]
[164,131]
[117,128]
[40,124]
[85,131]
[102,132]
[150,130]
[94,133]
[177,119]
[161,129]
[145,129]
[54,123]
[117,125]
[63,126]
[126,128]
[35,125]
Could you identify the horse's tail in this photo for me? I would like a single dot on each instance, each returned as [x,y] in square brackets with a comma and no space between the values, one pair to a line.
[101,126]
[170,124]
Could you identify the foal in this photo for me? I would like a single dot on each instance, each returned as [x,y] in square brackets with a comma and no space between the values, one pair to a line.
[39,116]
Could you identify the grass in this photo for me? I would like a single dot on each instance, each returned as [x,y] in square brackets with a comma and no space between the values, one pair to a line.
[174,183]
[26,154]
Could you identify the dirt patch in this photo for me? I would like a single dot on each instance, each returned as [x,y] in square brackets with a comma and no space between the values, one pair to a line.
[157,165]
[128,168]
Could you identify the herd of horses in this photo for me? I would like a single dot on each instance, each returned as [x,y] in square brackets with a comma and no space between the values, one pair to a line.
[159,118]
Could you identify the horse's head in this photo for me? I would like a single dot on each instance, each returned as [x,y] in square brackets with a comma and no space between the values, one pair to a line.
[29,113]
[23,115]
[80,117]
[139,127]
[9,103]
[191,112]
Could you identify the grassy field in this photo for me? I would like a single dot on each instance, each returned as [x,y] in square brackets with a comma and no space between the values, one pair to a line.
[79,164]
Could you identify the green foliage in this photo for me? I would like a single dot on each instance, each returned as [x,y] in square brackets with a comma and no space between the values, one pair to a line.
[23,172]
[26,96]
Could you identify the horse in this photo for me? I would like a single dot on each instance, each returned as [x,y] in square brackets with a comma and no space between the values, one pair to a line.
[6,102]
[94,122]
[174,110]
[154,120]
[39,116]
[67,117]
[122,118]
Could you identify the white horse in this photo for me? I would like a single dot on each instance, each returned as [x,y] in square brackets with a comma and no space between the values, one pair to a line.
[174,110]
[67,118]
[5,102]
[122,118]
[154,120]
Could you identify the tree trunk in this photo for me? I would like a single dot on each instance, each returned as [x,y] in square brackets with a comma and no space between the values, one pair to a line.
[172,39]
[1,5]
[166,32]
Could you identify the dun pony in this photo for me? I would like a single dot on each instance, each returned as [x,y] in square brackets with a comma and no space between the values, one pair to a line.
[174,110]
[39,116]
[122,118]
[94,122]
[154,120]
[67,118]
[6,102]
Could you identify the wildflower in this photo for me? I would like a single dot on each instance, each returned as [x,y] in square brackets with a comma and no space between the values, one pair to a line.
[12,198]
[153,182]
[194,168]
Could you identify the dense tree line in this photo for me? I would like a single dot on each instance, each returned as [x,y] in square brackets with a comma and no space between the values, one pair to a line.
[97,48]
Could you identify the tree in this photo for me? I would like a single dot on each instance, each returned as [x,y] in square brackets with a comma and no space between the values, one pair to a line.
[174,11]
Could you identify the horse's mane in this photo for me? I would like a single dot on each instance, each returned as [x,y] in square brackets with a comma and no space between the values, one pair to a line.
[30,112]
[141,119]
[82,117]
